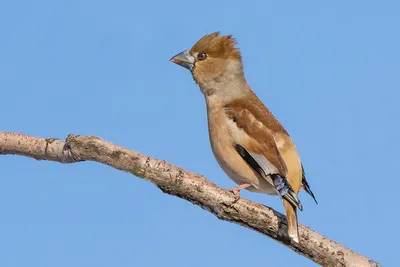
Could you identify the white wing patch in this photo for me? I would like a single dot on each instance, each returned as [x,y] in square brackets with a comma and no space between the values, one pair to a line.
[265,164]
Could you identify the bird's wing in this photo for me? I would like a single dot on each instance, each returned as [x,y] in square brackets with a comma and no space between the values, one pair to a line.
[252,125]
[306,185]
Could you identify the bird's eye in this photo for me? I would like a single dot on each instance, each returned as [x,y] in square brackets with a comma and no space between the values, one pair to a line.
[201,56]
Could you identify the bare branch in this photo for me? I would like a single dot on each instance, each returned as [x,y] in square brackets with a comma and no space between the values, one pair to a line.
[192,187]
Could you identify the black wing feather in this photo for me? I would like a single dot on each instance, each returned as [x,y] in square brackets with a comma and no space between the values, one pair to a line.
[306,185]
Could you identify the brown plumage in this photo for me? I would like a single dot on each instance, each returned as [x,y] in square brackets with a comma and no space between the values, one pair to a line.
[248,142]
[217,46]
[249,114]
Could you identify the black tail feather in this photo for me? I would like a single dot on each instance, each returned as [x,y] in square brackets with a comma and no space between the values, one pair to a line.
[291,197]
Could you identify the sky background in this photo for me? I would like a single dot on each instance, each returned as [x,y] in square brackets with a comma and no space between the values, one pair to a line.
[328,70]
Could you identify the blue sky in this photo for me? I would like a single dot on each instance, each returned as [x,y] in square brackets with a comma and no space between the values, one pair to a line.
[328,70]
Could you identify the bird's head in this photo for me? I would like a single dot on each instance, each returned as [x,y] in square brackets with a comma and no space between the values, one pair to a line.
[211,58]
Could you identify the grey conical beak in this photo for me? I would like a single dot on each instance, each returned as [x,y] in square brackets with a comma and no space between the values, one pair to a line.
[184,59]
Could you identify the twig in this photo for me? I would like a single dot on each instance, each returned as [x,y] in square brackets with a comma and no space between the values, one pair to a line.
[192,187]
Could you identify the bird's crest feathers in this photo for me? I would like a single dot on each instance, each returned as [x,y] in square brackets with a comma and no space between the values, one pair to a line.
[217,46]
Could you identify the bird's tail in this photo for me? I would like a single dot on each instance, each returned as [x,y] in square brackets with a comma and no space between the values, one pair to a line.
[285,191]
[291,217]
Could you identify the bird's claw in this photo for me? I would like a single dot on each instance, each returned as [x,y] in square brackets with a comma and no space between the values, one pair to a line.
[236,192]
[236,195]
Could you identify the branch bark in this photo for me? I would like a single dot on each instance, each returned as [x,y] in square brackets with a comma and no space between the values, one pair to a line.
[192,187]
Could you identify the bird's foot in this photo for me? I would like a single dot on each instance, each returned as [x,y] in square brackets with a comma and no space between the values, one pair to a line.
[236,192]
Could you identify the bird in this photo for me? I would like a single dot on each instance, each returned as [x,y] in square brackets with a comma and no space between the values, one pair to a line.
[250,145]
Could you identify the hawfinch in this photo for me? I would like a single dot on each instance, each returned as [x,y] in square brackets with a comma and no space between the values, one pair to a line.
[248,142]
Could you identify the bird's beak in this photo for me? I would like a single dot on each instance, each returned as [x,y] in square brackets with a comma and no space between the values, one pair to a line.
[184,59]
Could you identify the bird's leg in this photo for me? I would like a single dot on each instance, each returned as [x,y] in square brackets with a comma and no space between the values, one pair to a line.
[236,191]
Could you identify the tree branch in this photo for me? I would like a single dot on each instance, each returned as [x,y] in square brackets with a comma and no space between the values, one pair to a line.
[192,187]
